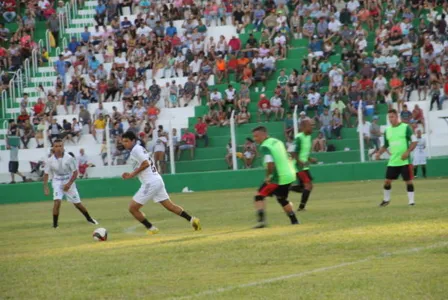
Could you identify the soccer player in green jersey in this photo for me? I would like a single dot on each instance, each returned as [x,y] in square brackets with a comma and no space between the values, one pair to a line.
[280,173]
[302,143]
[401,141]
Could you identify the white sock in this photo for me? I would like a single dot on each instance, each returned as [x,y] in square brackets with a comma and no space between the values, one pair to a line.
[386,195]
[411,197]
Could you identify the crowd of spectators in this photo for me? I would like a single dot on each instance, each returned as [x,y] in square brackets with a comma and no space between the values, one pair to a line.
[357,54]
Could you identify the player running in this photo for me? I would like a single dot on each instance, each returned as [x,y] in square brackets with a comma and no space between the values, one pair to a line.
[301,154]
[280,174]
[63,168]
[152,188]
[401,141]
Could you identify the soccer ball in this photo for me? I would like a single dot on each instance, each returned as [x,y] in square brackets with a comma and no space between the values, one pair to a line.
[100,234]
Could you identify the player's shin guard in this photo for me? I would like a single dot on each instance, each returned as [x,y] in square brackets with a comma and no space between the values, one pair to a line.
[410,189]
[387,189]
[305,197]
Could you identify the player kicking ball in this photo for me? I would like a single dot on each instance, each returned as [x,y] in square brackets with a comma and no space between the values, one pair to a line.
[152,188]
[401,141]
[63,168]
[302,144]
[280,174]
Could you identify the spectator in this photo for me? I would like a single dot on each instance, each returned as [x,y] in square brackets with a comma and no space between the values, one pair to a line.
[276,106]
[243,116]
[54,131]
[187,143]
[98,129]
[325,121]
[417,116]
[28,133]
[201,131]
[249,153]
[319,143]
[264,108]
[375,133]
[405,115]
[83,164]
[14,164]
[336,124]
[160,148]
[228,157]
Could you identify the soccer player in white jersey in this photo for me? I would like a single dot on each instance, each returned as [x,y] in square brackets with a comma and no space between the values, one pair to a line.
[152,188]
[64,170]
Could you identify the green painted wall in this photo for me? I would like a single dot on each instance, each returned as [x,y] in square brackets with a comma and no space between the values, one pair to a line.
[219,180]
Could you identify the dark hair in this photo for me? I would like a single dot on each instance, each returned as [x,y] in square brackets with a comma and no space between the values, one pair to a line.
[71,154]
[129,135]
[392,111]
[260,128]
[57,141]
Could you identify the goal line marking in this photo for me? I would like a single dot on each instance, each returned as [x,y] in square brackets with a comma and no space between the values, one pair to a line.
[318,270]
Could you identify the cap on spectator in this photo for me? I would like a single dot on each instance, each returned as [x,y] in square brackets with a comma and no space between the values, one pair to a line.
[141,134]
[302,113]
[375,118]
[314,36]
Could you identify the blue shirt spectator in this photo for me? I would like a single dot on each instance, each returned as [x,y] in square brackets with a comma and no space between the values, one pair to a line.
[73,45]
[94,64]
[100,9]
[60,66]
[171,30]
[316,45]
[85,36]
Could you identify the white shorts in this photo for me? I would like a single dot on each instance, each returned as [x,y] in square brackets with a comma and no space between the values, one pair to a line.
[58,192]
[419,159]
[154,191]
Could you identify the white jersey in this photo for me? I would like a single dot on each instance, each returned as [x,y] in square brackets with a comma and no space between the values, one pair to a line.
[137,157]
[61,168]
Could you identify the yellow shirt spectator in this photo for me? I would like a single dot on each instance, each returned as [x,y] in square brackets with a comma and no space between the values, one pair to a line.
[100,124]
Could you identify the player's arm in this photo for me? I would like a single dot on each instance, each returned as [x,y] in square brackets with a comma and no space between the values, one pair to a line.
[143,166]
[410,137]
[74,169]
[47,171]
[269,161]
[297,144]
[142,158]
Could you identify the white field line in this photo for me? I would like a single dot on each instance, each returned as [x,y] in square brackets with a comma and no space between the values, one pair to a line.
[301,274]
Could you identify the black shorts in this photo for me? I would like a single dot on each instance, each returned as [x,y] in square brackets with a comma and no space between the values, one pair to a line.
[13,167]
[273,189]
[304,176]
[406,172]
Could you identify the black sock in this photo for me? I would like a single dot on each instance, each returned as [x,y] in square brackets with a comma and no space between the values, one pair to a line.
[260,214]
[415,171]
[86,214]
[183,214]
[146,223]
[55,220]
[305,196]
[293,218]
[424,171]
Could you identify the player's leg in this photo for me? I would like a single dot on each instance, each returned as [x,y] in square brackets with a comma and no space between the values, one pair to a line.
[306,180]
[56,208]
[424,170]
[160,195]
[408,176]
[73,197]
[298,188]
[392,173]
[282,198]
[265,190]
[140,198]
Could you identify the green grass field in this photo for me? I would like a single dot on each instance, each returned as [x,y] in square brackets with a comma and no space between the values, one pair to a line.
[346,248]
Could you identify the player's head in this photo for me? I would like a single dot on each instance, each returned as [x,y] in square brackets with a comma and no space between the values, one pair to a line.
[305,127]
[58,146]
[128,139]
[260,133]
[392,114]
[419,133]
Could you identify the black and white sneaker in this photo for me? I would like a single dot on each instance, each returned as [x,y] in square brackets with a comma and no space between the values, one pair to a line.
[260,225]
[93,221]
[411,204]
[384,203]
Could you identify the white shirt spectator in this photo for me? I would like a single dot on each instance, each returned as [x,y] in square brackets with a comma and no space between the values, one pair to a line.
[406,46]
[380,83]
[99,111]
[195,66]
[392,61]
[276,101]
[269,62]
[314,98]
[336,77]
[216,96]
[230,94]
[68,55]
[96,34]
[82,159]
[280,39]
[361,43]
[120,60]
[256,61]
[352,5]
[334,26]
[43,4]
[145,30]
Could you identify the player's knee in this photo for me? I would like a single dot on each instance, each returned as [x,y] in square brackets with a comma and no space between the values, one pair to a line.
[308,186]
[410,187]
[258,198]
[282,201]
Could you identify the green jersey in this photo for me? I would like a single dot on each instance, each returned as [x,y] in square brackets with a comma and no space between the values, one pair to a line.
[282,80]
[274,151]
[398,139]
[302,145]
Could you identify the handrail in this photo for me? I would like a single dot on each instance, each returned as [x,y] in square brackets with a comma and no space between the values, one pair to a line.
[27,72]
[295,121]
[64,43]
[4,101]
[68,13]
[62,23]
[47,40]
[233,139]
[34,62]
[58,51]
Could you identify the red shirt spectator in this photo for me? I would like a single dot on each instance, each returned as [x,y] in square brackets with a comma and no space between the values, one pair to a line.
[235,43]
[131,71]
[189,138]
[417,114]
[366,83]
[9,5]
[435,68]
[38,108]
[264,103]
[201,128]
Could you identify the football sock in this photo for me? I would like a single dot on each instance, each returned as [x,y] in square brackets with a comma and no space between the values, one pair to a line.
[305,196]
[183,214]
[415,171]
[55,220]
[146,223]
[387,189]
[260,214]
[410,189]
[86,214]
[293,218]
[424,171]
